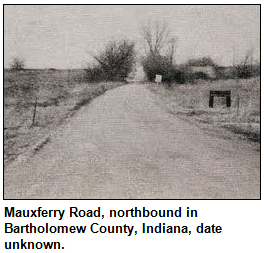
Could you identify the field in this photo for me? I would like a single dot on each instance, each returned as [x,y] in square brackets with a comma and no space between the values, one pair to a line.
[57,94]
[191,101]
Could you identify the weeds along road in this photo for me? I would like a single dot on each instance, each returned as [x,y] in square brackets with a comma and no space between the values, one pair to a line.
[123,145]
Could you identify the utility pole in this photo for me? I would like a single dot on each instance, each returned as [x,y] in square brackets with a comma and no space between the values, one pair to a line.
[236,78]
[34,111]
[35,86]
[68,72]
[238,104]
[251,61]
[173,44]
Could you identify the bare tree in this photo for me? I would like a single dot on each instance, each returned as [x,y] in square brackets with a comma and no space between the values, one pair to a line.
[245,68]
[157,38]
[18,64]
[160,47]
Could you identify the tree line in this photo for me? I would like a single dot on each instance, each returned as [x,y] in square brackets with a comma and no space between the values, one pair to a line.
[117,60]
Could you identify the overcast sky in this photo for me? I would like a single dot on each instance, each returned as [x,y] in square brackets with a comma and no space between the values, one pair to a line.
[64,36]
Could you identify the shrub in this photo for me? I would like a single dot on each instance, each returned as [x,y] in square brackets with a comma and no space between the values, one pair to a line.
[95,74]
[174,75]
[256,70]
[114,63]
[155,64]
[201,62]
[246,69]
[17,64]
[243,71]
[201,75]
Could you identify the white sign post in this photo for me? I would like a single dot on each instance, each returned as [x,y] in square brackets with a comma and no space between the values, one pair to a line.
[158,79]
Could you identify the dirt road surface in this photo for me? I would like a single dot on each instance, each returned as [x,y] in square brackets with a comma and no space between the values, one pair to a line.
[123,145]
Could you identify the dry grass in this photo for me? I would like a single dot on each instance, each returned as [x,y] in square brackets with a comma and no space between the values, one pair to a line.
[60,93]
[189,100]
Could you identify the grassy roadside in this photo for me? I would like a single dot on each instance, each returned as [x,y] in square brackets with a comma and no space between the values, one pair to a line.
[59,96]
[190,101]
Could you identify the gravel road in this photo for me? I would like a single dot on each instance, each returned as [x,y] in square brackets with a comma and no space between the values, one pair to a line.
[123,145]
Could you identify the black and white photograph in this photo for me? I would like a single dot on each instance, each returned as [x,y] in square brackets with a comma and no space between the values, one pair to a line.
[143,102]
